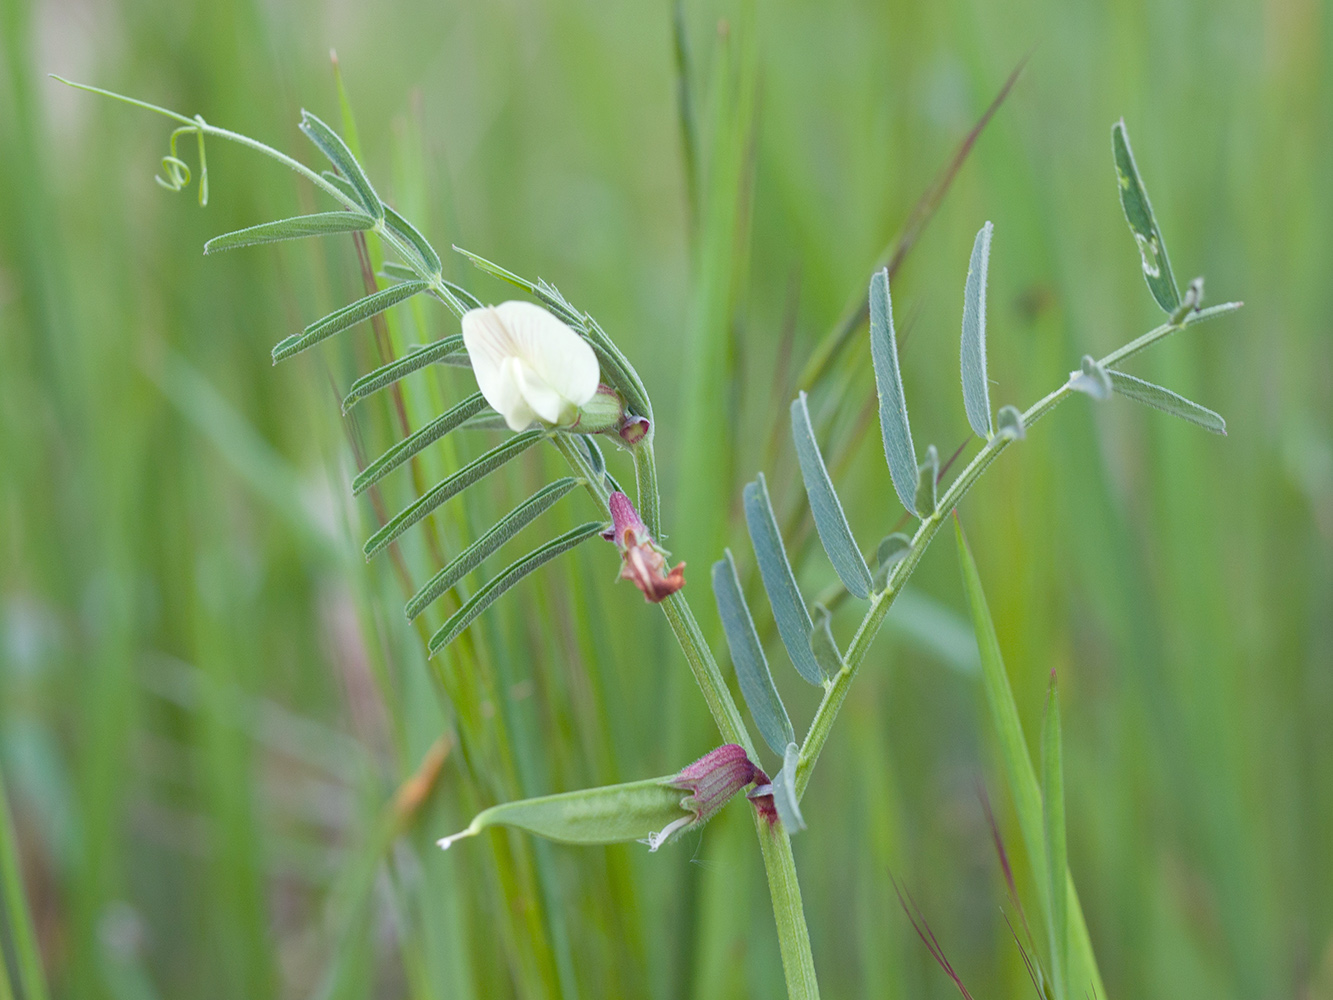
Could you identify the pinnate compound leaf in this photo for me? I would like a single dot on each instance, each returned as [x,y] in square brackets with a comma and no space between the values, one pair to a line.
[747,655]
[1164,399]
[384,376]
[1009,423]
[450,487]
[515,572]
[348,316]
[823,645]
[830,521]
[1053,813]
[1091,379]
[1142,223]
[976,384]
[473,556]
[319,224]
[893,425]
[784,791]
[789,611]
[447,421]
[927,478]
[332,146]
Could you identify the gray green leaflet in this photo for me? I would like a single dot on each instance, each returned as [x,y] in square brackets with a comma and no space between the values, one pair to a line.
[823,645]
[893,425]
[429,259]
[1091,379]
[450,487]
[1009,423]
[502,531]
[1142,223]
[346,317]
[320,224]
[447,421]
[976,385]
[927,477]
[747,655]
[1164,399]
[332,146]
[892,550]
[789,611]
[825,508]
[784,791]
[510,576]
[384,376]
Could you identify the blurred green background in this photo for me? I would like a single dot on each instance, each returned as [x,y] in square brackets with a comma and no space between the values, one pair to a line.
[208,703]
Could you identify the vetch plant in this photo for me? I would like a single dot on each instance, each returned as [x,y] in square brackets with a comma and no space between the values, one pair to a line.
[549,373]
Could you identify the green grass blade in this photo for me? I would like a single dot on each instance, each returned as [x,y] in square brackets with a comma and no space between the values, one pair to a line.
[450,487]
[384,376]
[332,146]
[488,594]
[429,258]
[17,915]
[319,224]
[415,442]
[346,317]
[789,610]
[1053,807]
[1142,223]
[976,385]
[472,557]
[747,655]
[830,521]
[1018,770]
[1021,777]
[893,424]
[1167,401]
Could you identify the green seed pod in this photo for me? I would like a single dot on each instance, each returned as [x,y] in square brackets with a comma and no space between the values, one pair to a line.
[653,811]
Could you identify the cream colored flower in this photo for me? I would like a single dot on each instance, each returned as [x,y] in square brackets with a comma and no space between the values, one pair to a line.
[529,365]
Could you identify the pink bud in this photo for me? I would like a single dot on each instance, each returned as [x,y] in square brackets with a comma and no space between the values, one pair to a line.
[645,563]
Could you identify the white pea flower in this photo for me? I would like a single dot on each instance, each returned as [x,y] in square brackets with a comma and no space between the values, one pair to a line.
[529,365]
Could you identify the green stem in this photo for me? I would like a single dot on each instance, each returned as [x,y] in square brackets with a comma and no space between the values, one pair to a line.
[798,962]
[836,690]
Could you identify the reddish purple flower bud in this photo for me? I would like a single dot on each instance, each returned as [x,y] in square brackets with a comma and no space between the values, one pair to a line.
[634,429]
[645,563]
[711,780]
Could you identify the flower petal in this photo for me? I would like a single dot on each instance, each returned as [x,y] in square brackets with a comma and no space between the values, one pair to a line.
[557,355]
[544,400]
[489,345]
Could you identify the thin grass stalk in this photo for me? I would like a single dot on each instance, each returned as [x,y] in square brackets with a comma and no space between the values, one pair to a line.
[18,915]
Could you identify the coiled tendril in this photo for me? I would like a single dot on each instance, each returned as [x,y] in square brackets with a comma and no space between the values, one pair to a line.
[177,170]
